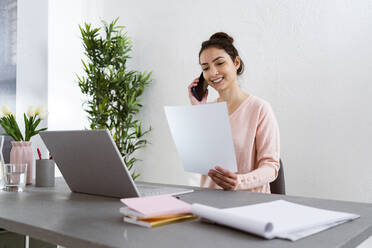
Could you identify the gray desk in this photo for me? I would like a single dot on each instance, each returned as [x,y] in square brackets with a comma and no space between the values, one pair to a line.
[58,216]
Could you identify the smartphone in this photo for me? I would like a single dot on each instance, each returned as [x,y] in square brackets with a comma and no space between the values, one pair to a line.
[199,90]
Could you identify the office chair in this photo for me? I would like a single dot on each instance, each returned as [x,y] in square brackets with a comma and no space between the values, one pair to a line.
[1,149]
[6,146]
[278,185]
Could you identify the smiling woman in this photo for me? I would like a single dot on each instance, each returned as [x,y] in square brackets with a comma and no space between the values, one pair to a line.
[254,127]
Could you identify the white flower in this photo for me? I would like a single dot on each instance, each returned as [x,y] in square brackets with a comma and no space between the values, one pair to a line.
[6,110]
[39,109]
[41,112]
[31,111]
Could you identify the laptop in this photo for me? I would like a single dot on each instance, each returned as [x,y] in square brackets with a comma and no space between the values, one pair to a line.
[91,163]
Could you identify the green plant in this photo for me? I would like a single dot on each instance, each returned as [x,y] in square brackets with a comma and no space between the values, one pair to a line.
[10,125]
[113,90]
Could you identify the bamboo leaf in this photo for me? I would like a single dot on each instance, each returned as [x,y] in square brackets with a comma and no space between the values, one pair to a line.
[112,90]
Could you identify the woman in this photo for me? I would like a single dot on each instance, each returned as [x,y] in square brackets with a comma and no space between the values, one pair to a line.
[254,127]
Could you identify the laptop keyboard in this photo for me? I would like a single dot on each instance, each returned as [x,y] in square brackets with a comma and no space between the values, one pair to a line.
[148,190]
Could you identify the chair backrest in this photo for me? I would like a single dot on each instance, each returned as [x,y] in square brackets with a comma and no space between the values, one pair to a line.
[1,149]
[278,185]
[7,146]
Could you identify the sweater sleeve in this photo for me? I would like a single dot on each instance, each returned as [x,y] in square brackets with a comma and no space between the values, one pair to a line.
[267,152]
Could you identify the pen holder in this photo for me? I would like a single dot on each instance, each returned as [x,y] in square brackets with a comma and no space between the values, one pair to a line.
[44,173]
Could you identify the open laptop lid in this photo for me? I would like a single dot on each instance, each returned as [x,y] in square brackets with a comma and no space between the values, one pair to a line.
[90,162]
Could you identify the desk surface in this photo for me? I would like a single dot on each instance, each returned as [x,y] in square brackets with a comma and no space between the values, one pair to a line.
[58,216]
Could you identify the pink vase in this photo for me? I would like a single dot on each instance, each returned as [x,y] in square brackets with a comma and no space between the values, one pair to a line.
[21,153]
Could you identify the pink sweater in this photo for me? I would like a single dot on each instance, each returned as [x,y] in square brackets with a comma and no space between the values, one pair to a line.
[255,134]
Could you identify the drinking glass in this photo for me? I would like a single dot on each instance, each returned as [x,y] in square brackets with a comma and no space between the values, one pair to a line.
[14,177]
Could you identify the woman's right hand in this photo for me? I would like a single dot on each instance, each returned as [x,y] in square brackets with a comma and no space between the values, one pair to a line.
[192,98]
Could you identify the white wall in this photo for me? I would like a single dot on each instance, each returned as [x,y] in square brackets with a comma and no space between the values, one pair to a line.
[32,61]
[65,52]
[311,59]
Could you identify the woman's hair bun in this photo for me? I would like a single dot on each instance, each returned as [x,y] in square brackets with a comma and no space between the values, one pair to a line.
[221,40]
[222,36]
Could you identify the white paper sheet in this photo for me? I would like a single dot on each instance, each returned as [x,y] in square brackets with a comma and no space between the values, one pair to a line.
[202,135]
[238,221]
[289,220]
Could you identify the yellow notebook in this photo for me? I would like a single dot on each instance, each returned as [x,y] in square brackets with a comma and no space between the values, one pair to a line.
[158,221]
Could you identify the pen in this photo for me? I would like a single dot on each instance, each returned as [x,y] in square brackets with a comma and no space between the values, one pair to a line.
[39,153]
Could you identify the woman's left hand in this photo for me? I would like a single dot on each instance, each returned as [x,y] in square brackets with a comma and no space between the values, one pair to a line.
[224,178]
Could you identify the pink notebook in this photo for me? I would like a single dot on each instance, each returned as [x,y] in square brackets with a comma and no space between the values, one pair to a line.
[157,205]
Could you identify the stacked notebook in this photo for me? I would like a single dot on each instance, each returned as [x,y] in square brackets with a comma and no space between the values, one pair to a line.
[155,210]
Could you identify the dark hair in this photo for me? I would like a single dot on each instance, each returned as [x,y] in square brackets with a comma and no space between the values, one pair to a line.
[223,41]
